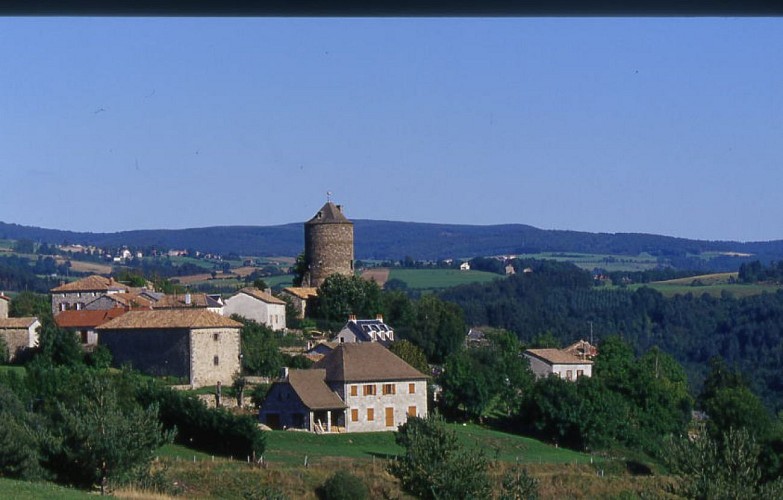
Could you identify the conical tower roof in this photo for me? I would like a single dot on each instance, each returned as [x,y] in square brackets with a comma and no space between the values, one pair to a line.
[329,214]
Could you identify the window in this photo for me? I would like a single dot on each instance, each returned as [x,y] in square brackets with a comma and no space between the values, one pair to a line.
[370,414]
[216,361]
[354,390]
[369,390]
[389,389]
[569,374]
[411,411]
[411,388]
[215,337]
[354,415]
[580,373]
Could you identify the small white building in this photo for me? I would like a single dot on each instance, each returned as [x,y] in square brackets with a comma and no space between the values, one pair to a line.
[260,306]
[465,266]
[546,362]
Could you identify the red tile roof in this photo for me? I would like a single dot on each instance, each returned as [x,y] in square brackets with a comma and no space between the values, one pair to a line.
[170,318]
[87,319]
[94,283]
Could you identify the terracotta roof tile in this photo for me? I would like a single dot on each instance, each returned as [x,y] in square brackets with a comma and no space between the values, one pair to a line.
[366,361]
[8,323]
[261,295]
[303,292]
[5,297]
[170,318]
[129,300]
[556,356]
[87,319]
[312,389]
[94,283]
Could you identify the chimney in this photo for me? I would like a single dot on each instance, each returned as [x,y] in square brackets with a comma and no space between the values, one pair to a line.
[187,299]
[379,317]
[352,317]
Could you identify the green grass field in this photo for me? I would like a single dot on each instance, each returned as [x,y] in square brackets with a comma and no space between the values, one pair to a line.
[19,370]
[290,447]
[608,262]
[433,279]
[22,490]
[712,284]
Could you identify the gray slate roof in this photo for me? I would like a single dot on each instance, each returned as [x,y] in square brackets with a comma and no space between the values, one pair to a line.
[329,214]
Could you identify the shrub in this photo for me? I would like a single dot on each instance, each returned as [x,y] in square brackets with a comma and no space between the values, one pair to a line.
[343,486]
[211,430]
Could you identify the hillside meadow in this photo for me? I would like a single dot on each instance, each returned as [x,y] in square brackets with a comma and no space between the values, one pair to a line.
[712,284]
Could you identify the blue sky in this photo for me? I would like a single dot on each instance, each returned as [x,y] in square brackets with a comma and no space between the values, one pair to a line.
[666,126]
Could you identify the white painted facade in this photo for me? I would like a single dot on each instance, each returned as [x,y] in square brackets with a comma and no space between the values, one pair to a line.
[260,311]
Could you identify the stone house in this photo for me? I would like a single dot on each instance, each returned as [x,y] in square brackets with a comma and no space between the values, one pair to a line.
[77,294]
[546,362]
[19,334]
[86,321]
[365,330]
[260,306]
[355,388]
[301,297]
[196,344]
[125,300]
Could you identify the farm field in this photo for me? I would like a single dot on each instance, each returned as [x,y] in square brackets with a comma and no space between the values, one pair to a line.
[641,262]
[712,284]
[434,279]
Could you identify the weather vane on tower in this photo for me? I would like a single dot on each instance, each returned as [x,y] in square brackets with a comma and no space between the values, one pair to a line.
[328,196]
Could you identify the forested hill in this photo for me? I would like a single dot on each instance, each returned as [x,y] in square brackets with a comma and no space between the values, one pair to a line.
[394,240]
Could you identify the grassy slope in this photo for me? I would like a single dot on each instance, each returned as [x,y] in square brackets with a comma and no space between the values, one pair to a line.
[21,490]
[713,284]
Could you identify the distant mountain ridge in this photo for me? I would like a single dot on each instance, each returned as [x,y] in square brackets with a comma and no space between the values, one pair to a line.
[383,240]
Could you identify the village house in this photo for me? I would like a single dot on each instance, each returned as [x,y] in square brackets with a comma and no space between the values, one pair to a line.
[85,322]
[196,344]
[355,388]
[260,306]
[300,297]
[125,300]
[365,330]
[546,362]
[77,294]
[19,334]
[465,266]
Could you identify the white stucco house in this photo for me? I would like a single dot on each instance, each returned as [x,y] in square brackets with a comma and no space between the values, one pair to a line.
[260,306]
[546,362]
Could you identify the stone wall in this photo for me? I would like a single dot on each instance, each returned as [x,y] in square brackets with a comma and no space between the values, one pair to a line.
[3,308]
[282,409]
[214,356]
[19,339]
[154,352]
[400,402]
[328,250]
[74,300]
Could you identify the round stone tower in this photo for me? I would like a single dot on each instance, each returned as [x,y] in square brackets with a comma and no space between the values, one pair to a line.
[328,245]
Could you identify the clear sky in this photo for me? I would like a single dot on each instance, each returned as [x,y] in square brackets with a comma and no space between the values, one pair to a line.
[666,126]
